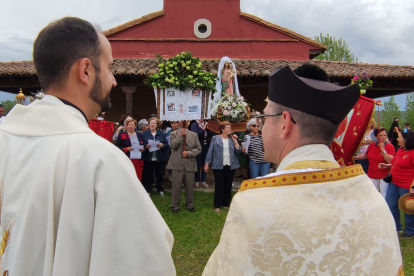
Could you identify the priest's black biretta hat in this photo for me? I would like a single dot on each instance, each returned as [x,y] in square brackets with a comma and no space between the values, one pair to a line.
[319,98]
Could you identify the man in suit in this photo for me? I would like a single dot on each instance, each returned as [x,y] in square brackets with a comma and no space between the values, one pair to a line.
[183,163]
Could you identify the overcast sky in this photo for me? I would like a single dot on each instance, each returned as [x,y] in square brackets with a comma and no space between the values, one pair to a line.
[377,31]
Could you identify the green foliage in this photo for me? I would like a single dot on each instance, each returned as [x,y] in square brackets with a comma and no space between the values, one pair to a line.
[363,81]
[8,105]
[337,50]
[409,109]
[182,72]
[391,110]
[375,115]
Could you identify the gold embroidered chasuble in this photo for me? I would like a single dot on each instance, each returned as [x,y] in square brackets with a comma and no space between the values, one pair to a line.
[309,218]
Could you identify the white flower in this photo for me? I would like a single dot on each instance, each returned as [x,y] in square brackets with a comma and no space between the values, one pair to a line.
[40,95]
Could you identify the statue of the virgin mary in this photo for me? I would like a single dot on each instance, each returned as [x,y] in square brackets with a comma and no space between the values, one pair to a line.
[227,79]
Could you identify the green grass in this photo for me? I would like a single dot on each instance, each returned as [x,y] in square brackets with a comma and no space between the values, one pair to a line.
[196,235]
[407,250]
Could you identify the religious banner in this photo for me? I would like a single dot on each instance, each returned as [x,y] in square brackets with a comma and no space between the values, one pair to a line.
[351,131]
[183,90]
[103,128]
[177,105]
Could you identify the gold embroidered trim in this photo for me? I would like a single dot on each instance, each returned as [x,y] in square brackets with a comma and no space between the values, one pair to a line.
[6,235]
[320,164]
[303,178]
[401,271]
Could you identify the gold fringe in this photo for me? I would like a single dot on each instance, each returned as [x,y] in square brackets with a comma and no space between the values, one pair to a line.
[292,179]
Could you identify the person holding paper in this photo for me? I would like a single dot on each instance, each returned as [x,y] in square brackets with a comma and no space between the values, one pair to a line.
[132,143]
[155,151]
[253,146]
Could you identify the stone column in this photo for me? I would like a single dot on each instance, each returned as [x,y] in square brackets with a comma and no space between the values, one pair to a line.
[129,91]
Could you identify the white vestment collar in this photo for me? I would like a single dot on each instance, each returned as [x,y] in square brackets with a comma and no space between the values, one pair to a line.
[314,152]
[49,116]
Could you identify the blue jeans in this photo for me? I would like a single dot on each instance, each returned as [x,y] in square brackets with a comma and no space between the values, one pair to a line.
[201,159]
[259,169]
[393,195]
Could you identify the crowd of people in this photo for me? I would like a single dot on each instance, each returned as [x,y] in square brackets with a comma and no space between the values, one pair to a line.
[390,166]
[226,153]
[223,153]
[83,211]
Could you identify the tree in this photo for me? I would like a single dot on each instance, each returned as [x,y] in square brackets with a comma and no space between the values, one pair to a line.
[391,111]
[409,108]
[8,105]
[337,50]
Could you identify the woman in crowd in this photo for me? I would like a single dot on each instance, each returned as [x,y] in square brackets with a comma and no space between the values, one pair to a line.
[120,126]
[129,141]
[402,171]
[393,134]
[258,166]
[166,128]
[154,160]
[200,128]
[222,155]
[143,125]
[243,171]
[379,152]
[368,139]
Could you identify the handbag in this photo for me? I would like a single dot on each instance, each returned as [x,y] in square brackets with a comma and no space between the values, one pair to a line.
[388,177]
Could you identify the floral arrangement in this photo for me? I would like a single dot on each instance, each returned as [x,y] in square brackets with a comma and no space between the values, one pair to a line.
[182,72]
[100,116]
[231,108]
[363,81]
[38,95]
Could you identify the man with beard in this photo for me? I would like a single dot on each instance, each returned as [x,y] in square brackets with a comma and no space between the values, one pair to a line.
[71,201]
[311,217]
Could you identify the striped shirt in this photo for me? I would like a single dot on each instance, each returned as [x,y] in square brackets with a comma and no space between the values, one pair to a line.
[256,150]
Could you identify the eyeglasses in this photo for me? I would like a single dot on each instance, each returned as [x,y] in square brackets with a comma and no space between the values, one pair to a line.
[254,125]
[263,117]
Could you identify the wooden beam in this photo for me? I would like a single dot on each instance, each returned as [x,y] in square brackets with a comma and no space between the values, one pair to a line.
[129,98]
[129,103]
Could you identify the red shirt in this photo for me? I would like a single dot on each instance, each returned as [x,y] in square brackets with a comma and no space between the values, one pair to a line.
[403,168]
[375,157]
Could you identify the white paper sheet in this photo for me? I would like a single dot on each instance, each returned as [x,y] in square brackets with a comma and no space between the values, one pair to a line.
[246,144]
[153,144]
[136,154]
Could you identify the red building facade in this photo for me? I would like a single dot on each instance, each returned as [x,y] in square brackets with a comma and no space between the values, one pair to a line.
[210,29]
[230,33]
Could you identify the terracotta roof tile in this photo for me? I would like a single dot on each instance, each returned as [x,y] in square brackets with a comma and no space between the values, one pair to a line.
[245,68]
[132,23]
[282,30]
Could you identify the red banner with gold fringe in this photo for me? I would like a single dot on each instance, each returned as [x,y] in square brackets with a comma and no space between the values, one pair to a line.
[351,131]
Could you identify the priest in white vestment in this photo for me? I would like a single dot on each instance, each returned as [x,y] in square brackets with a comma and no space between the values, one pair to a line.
[71,201]
[311,217]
